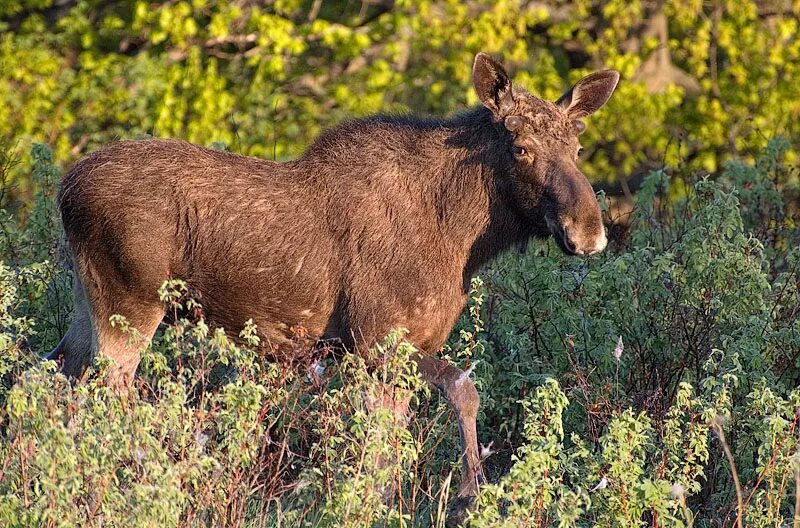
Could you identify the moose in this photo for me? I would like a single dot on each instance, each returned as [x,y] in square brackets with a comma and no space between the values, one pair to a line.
[380,224]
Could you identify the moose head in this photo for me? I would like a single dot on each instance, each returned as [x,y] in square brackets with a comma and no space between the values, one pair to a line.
[546,186]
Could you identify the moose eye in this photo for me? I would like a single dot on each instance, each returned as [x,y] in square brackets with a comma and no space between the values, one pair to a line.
[519,151]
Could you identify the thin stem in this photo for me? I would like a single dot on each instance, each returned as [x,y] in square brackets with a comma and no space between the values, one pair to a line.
[739,503]
[796,523]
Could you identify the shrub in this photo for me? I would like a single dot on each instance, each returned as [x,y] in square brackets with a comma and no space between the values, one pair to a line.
[611,389]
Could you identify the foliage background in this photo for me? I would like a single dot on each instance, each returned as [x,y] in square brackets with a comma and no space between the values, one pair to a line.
[702,81]
[684,332]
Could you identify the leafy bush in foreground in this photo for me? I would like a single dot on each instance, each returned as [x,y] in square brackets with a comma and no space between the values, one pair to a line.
[611,389]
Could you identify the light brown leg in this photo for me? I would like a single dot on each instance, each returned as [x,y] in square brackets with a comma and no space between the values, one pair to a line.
[463,397]
[125,347]
[392,398]
[396,401]
[90,333]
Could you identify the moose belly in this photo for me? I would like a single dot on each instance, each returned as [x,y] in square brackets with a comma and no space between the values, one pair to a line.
[431,319]
[427,314]
[283,305]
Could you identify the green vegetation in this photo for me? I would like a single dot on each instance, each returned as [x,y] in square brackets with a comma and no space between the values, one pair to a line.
[624,390]
[603,382]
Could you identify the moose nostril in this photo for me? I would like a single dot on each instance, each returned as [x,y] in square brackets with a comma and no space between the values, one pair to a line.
[570,245]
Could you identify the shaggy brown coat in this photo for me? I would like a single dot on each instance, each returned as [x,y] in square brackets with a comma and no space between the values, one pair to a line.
[380,224]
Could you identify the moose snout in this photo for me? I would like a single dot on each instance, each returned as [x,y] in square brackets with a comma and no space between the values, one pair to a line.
[579,244]
[572,212]
[576,238]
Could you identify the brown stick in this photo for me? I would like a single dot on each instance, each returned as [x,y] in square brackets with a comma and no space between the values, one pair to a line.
[717,424]
[796,523]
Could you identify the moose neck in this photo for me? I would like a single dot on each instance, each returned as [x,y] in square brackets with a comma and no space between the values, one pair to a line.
[477,211]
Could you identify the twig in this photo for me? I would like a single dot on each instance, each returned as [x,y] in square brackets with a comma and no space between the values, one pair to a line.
[796,523]
[314,12]
[717,424]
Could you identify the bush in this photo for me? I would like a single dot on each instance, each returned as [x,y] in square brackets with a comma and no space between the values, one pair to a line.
[611,388]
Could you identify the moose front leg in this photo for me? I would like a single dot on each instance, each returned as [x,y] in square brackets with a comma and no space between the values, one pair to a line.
[463,397]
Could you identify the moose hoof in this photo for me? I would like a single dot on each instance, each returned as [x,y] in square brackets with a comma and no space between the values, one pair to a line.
[458,511]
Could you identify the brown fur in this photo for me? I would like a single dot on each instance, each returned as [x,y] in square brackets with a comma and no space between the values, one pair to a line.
[379,225]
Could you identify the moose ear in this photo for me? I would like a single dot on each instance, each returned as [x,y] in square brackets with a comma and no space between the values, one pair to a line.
[589,94]
[492,84]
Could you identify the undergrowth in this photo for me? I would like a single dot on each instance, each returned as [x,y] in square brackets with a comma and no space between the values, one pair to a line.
[631,389]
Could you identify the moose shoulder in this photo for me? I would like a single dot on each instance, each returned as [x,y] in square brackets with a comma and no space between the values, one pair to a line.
[380,224]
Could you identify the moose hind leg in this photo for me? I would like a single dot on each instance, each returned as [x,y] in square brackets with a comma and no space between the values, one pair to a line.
[124,346]
[460,392]
[98,297]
